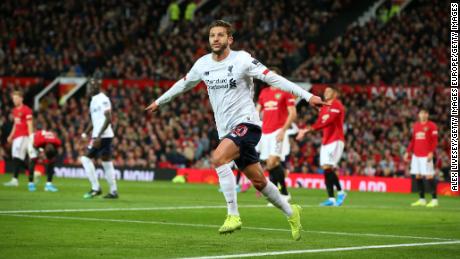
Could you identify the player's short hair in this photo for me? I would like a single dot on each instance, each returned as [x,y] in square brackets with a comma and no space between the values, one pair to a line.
[17,93]
[221,23]
[334,88]
[424,109]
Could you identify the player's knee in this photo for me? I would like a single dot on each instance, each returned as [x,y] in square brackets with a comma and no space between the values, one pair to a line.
[259,182]
[218,160]
[105,158]
[272,163]
[326,167]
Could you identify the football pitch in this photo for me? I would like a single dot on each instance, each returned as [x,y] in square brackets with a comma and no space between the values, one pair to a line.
[165,220]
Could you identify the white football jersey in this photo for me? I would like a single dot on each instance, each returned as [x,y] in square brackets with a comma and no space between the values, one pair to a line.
[230,88]
[99,104]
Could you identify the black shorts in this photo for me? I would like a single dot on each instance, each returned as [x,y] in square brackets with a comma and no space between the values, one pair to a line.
[246,136]
[104,150]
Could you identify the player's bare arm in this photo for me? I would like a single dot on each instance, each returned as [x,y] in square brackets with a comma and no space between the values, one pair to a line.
[85,133]
[292,115]
[10,137]
[259,108]
[30,126]
[303,132]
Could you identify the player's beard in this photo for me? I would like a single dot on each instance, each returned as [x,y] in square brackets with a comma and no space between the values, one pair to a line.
[219,51]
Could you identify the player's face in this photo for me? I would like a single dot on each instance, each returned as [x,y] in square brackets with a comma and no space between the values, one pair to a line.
[329,94]
[93,86]
[219,39]
[423,116]
[17,100]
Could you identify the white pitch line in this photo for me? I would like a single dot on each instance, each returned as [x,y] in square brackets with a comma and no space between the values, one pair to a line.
[338,249]
[125,209]
[217,226]
[180,208]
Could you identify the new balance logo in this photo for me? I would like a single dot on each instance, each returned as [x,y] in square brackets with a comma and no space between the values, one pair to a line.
[255,62]
[206,73]
[232,83]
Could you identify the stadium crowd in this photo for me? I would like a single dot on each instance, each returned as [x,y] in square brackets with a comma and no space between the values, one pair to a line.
[409,49]
[183,132]
[121,39]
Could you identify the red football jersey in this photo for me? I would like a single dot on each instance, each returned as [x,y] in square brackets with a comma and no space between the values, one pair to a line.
[21,115]
[43,137]
[424,138]
[330,120]
[275,105]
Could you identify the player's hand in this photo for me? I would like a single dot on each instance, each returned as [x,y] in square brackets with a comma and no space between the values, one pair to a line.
[153,107]
[430,156]
[406,157]
[97,143]
[280,136]
[316,101]
[302,133]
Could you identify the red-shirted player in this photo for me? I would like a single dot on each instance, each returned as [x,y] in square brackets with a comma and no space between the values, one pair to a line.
[330,121]
[48,142]
[19,136]
[278,112]
[422,146]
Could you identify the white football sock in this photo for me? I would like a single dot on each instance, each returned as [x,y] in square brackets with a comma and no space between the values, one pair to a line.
[228,185]
[273,195]
[91,172]
[110,175]
[332,199]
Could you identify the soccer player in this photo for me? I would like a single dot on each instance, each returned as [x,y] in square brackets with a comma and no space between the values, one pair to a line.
[278,112]
[47,142]
[228,75]
[20,134]
[101,141]
[422,146]
[330,121]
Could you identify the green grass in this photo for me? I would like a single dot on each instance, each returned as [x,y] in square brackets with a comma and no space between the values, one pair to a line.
[154,233]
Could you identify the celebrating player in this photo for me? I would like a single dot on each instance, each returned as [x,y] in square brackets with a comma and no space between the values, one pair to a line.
[422,146]
[278,113]
[20,134]
[330,121]
[48,142]
[228,76]
[101,142]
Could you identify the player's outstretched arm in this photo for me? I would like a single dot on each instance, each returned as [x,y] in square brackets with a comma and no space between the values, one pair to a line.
[188,82]
[259,71]
[288,86]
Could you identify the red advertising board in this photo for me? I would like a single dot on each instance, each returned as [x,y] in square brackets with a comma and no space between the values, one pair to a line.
[315,181]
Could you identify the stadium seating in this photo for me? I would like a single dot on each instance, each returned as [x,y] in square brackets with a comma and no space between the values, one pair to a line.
[410,49]
[120,39]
